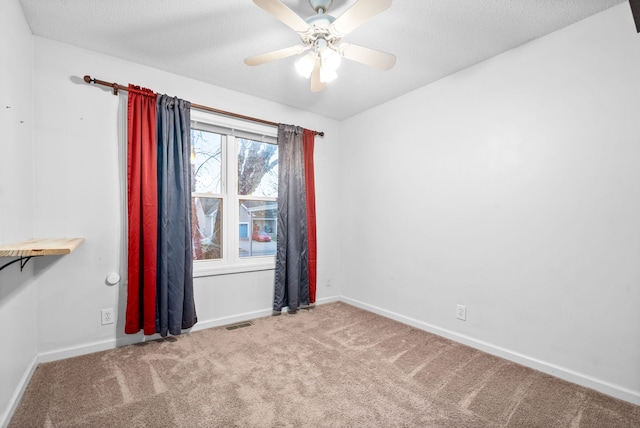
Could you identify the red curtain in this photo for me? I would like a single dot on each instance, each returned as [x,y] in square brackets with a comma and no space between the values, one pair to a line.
[308,140]
[143,211]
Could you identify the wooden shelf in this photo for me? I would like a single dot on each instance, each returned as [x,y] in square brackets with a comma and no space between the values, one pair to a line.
[40,247]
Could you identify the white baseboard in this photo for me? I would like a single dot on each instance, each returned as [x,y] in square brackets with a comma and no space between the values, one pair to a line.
[217,322]
[202,325]
[130,339]
[76,351]
[326,300]
[569,375]
[5,418]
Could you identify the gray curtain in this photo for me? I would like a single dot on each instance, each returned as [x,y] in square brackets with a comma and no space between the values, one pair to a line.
[291,288]
[175,300]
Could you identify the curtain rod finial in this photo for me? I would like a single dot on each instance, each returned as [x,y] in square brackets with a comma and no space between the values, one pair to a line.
[88,79]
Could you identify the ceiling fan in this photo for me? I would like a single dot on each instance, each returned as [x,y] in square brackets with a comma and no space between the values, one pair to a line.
[321,36]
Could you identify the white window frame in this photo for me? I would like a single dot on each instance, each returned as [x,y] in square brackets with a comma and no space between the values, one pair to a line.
[232,128]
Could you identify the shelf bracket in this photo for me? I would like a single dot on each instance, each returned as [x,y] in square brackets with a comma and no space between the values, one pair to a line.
[23,261]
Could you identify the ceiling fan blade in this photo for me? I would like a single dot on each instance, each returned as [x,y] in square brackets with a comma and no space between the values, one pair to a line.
[284,14]
[356,15]
[275,55]
[367,56]
[316,84]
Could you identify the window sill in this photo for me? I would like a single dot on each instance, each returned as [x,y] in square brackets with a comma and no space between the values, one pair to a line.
[208,269]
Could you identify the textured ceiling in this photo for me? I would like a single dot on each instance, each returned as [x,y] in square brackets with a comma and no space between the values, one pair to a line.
[208,39]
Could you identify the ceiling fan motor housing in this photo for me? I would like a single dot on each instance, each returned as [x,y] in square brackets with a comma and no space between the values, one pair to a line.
[319,30]
[320,22]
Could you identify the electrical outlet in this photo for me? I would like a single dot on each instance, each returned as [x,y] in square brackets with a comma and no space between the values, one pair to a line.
[461,312]
[107,316]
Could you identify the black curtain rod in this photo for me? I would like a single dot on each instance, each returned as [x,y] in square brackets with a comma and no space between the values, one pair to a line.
[116,87]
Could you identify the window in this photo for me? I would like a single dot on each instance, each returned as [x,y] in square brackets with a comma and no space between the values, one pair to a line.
[234,195]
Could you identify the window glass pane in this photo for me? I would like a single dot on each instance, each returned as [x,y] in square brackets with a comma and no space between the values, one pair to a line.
[206,162]
[258,222]
[257,168]
[206,220]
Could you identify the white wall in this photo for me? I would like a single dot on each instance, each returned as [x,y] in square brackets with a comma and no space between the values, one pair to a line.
[76,194]
[17,289]
[512,187]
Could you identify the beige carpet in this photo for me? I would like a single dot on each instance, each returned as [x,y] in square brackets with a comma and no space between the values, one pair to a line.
[333,366]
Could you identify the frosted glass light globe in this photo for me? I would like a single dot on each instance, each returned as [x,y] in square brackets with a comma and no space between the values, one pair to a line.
[305,65]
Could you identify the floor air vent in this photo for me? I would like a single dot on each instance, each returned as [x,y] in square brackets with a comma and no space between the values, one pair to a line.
[241,325]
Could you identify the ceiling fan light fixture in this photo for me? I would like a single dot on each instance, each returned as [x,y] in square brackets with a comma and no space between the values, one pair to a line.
[327,74]
[305,65]
[330,58]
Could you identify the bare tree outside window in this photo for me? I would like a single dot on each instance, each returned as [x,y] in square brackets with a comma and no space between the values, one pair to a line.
[257,168]
[206,184]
